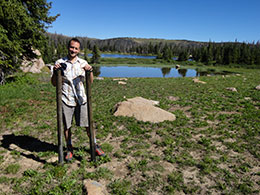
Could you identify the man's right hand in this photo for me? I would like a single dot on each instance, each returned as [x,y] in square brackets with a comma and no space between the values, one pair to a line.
[57,66]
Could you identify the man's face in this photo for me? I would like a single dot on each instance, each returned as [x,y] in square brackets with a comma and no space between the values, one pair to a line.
[74,49]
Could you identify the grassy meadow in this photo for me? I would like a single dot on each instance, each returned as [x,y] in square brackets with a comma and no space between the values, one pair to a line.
[211,148]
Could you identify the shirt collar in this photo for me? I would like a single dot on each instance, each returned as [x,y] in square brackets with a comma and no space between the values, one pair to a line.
[67,59]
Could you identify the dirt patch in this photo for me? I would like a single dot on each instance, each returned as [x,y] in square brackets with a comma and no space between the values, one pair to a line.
[118,168]
[5,189]
[20,157]
[3,110]
[231,112]
[154,137]
[190,174]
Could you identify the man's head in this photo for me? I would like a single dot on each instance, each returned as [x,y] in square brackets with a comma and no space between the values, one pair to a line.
[73,48]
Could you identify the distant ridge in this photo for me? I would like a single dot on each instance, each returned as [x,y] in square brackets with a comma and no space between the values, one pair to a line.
[126,43]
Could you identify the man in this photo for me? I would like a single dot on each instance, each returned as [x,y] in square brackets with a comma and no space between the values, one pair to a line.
[74,100]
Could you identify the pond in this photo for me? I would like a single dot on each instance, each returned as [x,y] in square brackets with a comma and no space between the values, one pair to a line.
[127,71]
[103,55]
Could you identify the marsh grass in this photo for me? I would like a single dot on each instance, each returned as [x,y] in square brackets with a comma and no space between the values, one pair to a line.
[212,146]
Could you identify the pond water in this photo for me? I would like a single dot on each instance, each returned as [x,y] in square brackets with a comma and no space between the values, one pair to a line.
[103,55]
[126,71]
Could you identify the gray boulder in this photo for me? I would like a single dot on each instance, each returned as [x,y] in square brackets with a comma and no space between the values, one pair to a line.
[143,110]
[33,65]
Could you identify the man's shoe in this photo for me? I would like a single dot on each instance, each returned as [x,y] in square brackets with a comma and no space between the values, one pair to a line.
[69,156]
[99,151]
[69,153]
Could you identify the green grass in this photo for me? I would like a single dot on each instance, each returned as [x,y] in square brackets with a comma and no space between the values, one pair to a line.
[12,168]
[211,148]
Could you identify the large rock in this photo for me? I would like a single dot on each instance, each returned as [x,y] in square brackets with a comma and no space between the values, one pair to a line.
[143,110]
[34,65]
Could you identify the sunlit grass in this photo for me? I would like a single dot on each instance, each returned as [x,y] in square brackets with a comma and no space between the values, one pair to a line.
[211,147]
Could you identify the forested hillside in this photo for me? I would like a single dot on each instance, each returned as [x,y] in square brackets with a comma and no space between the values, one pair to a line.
[208,53]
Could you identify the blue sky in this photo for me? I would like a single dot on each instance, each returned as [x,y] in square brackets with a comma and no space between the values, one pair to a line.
[197,20]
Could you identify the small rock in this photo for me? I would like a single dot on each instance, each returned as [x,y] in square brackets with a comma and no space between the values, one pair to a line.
[99,78]
[232,89]
[53,159]
[196,80]
[257,87]
[120,79]
[94,188]
[121,83]
[173,98]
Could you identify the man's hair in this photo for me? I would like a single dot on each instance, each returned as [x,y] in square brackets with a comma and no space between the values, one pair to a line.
[74,39]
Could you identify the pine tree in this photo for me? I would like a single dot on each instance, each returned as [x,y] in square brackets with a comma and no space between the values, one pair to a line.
[218,56]
[245,54]
[48,52]
[22,27]
[86,54]
[227,56]
[209,57]
[183,56]
[96,55]
[166,53]
[204,55]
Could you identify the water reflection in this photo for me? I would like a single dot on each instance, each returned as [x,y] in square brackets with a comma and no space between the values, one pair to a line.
[182,72]
[104,55]
[125,71]
[96,70]
[165,71]
[211,72]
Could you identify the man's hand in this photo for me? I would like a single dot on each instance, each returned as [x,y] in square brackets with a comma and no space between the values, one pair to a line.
[57,66]
[88,67]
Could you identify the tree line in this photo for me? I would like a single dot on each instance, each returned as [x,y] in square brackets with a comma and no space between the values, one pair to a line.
[209,53]
[228,53]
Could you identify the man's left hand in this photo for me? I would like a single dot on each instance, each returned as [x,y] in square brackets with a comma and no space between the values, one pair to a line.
[88,67]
